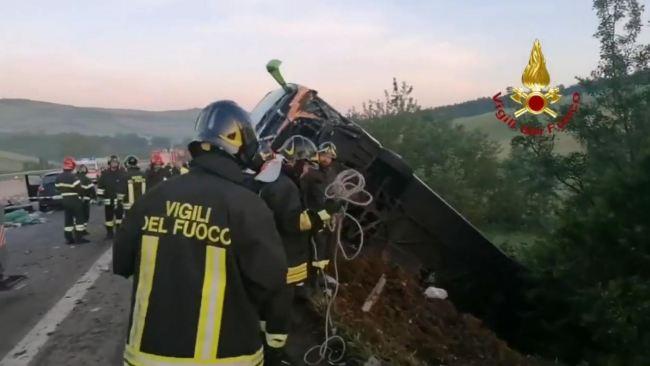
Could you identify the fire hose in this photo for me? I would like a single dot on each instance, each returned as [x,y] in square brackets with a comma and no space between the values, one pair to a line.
[347,188]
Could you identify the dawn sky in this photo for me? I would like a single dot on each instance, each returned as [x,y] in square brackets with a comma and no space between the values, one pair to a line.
[173,54]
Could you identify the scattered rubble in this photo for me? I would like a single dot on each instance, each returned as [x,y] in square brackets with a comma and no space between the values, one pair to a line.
[405,327]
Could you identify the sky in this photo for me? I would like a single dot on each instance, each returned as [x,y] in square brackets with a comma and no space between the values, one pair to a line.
[176,54]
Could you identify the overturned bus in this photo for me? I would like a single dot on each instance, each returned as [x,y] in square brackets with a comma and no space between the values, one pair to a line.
[407,221]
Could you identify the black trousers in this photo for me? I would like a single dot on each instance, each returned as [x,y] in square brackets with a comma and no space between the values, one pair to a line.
[74,218]
[86,208]
[276,314]
[113,211]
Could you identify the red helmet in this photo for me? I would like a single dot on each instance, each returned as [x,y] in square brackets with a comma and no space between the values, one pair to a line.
[68,163]
[156,159]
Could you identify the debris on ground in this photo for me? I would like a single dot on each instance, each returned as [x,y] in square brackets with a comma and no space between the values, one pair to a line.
[22,217]
[405,327]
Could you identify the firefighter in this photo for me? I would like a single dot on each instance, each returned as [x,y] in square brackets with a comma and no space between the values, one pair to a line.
[156,172]
[68,185]
[87,191]
[135,181]
[111,189]
[312,185]
[206,257]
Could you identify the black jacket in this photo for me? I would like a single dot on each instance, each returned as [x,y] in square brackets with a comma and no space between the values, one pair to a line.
[283,198]
[69,187]
[153,177]
[136,186]
[205,256]
[111,184]
[314,183]
[87,187]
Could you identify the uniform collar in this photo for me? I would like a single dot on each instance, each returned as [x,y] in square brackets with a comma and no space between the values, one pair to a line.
[220,165]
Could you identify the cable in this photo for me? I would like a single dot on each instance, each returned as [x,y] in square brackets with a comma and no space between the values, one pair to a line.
[348,187]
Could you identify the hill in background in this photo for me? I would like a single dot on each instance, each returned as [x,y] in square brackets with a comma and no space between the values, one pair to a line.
[22,116]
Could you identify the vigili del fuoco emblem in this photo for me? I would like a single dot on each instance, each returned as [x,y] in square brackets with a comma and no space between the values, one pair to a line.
[537,98]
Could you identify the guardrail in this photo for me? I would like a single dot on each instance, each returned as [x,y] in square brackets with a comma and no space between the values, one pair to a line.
[6,176]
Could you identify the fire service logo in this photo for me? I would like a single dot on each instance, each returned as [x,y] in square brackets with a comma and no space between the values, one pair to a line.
[536,98]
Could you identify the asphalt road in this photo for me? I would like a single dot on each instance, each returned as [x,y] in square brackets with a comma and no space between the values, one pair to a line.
[93,332]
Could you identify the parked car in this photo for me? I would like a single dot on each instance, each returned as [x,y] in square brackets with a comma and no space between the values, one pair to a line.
[41,188]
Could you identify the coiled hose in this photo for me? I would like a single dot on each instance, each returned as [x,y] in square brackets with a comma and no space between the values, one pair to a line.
[349,188]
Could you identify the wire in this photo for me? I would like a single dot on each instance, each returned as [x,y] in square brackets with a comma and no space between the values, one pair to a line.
[348,187]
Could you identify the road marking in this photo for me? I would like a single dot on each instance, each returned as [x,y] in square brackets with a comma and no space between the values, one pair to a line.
[23,353]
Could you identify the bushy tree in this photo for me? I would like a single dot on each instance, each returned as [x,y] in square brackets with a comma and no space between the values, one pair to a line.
[601,246]
[396,101]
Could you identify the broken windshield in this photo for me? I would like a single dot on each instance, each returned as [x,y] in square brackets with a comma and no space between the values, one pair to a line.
[264,105]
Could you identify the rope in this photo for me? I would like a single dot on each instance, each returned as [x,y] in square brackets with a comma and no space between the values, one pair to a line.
[348,187]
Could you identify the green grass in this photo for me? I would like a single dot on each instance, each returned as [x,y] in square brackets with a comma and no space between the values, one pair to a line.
[496,130]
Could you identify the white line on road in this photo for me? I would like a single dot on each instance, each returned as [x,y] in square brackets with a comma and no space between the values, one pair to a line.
[29,346]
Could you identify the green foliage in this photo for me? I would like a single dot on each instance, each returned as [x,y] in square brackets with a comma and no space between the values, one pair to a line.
[397,101]
[600,247]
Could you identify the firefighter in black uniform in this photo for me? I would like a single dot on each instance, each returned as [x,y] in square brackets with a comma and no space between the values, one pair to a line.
[312,185]
[69,186]
[111,189]
[206,257]
[136,184]
[156,172]
[87,191]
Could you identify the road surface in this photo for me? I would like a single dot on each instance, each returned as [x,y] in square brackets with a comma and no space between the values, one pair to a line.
[72,310]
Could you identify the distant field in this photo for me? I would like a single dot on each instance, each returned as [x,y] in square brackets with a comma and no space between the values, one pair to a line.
[498,131]
[11,162]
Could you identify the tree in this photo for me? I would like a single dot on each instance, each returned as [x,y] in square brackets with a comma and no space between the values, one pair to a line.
[397,101]
[601,246]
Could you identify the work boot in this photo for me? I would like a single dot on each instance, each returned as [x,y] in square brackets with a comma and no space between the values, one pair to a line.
[69,238]
[277,357]
[109,234]
[80,238]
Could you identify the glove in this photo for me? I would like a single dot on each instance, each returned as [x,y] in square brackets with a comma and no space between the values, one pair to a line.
[314,221]
[277,357]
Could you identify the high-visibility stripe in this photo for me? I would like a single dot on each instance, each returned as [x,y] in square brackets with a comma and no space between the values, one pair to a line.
[79,227]
[143,186]
[66,185]
[88,186]
[109,223]
[131,193]
[305,222]
[212,297]
[69,194]
[126,205]
[100,191]
[68,229]
[140,358]
[297,273]
[118,221]
[320,264]
[107,201]
[86,198]
[276,340]
[149,249]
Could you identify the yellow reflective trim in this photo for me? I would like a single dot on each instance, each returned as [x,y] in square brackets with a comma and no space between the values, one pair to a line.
[100,191]
[69,194]
[143,186]
[324,215]
[131,193]
[145,281]
[140,358]
[320,264]
[297,273]
[212,297]
[66,185]
[68,229]
[80,227]
[305,221]
[276,340]
[109,223]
